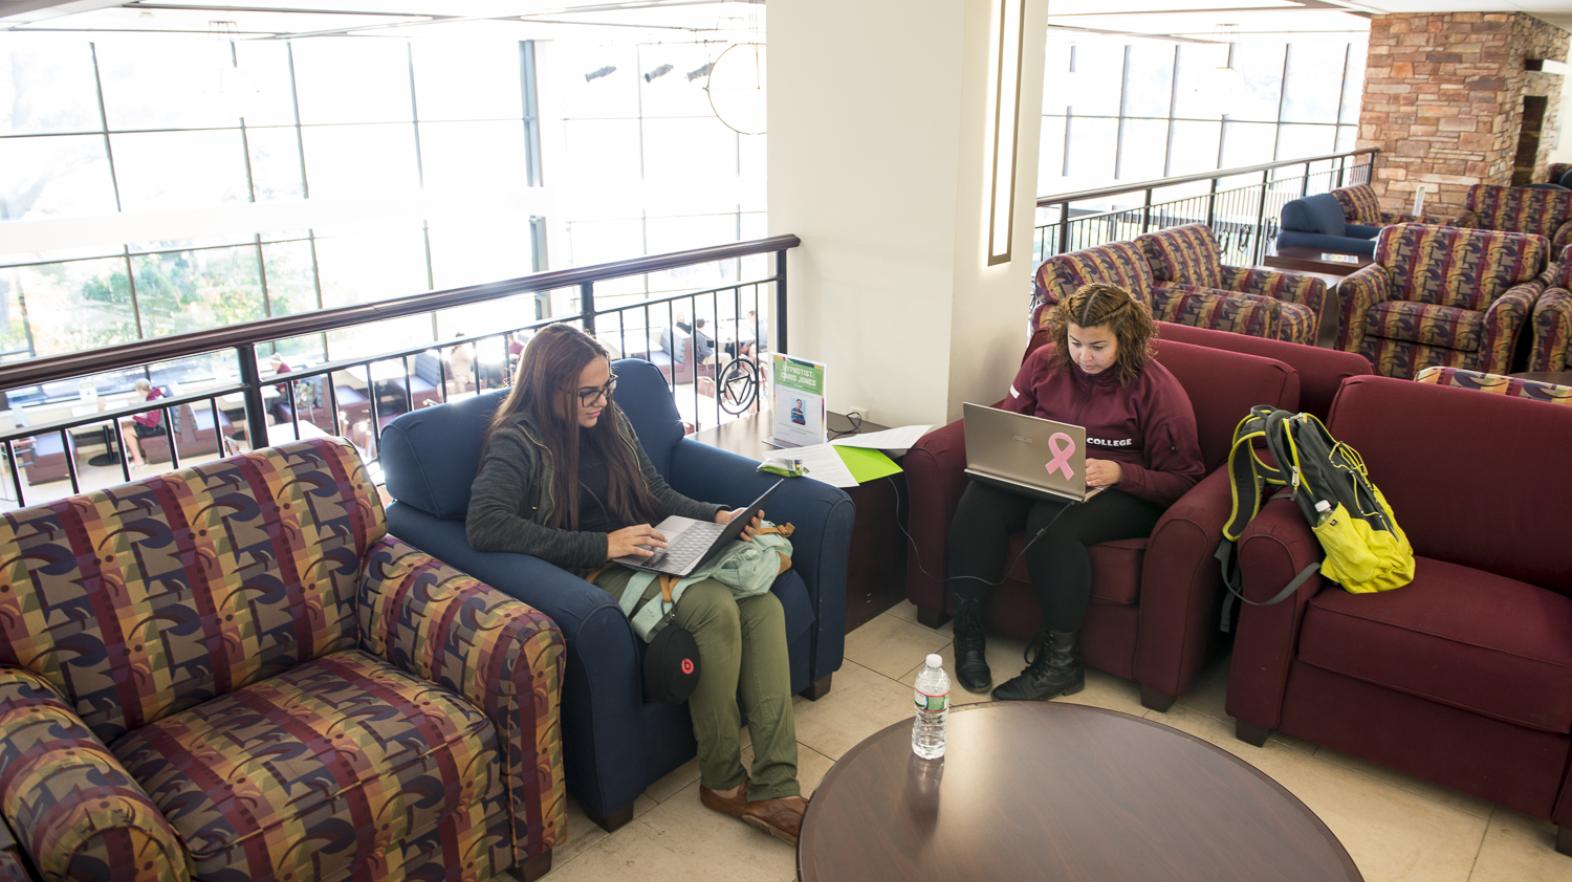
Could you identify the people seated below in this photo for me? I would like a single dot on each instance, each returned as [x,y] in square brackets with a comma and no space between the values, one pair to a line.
[1095,371]
[703,344]
[564,478]
[142,425]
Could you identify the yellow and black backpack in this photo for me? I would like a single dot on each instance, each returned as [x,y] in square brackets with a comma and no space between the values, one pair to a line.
[1366,550]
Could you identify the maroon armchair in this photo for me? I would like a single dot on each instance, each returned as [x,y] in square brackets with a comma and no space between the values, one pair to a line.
[1464,676]
[1155,601]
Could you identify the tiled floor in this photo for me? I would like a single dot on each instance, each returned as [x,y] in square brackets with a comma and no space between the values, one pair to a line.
[1398,829]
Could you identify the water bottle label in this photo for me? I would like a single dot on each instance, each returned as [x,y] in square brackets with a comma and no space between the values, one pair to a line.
[926,702]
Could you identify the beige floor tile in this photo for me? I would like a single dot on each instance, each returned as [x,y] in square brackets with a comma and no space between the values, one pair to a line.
[862,702]
[906,611]
[681,841]
[583,834]
[1005,660]
[674,780]
[811,767]
[1518,848]
[1209,694]
[1107,691]
[890,646]
[1392,833]
[1426,790]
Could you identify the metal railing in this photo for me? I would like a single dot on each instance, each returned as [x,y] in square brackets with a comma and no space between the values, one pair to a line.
[1241,205]
[354,398]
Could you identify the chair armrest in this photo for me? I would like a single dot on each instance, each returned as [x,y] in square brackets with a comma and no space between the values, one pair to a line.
[1562,238]
[1272,550]
[74,809]
[1469,219]
[935,477]
[1504,318]
[1291,287]
[1359,292]
[505,657]
[1181,587]
[1552,327]
[821,546]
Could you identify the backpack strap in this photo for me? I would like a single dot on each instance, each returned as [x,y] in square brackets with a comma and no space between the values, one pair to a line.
[1247,472]
[1225,556]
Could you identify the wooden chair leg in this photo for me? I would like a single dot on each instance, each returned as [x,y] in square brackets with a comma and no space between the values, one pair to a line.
[1250,733]
[613,819]
[818,688]
[534,868]
[933,618]
[1155,699]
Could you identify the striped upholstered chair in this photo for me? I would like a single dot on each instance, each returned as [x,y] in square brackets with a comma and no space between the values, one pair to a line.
[1511,387]
[1190,276]
[1536,210]
[1551,324]
[1441,296]
[1362,206]
[232,672]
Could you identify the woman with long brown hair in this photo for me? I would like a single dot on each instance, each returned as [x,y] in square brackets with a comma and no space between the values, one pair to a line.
[1095,371]
[564,478]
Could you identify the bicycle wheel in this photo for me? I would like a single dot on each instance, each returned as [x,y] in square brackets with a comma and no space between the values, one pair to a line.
[738,385]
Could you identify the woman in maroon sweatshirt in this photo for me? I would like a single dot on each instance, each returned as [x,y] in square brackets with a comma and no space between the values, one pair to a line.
[1096,371]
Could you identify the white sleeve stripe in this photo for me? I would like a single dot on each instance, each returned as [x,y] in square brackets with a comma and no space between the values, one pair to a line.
[1013,393]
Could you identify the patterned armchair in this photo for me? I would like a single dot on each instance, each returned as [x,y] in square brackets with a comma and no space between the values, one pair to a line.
[1441,295]
[1536,210]
[1551,324]
[1362,206]
[1188,270]
[1125,265]
[1511,387]
[1558,174]
[231,672]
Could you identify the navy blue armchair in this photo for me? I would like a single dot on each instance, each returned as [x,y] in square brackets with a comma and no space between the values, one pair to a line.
[1319,222]
[614,742]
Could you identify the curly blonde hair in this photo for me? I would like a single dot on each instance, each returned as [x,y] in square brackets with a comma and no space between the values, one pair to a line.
[1097,305]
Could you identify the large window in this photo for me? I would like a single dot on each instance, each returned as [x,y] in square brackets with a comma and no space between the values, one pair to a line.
[1117,110]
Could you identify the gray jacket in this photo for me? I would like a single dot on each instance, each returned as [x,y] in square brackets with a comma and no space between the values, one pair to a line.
[511,500]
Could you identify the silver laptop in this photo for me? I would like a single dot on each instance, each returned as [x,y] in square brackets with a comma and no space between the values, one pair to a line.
[1026,453]
[691,542]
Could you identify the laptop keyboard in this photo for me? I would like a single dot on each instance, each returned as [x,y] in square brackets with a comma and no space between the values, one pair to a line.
[689,544]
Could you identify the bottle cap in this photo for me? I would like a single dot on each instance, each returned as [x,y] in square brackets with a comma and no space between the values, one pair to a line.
[935,660]
[1323,506]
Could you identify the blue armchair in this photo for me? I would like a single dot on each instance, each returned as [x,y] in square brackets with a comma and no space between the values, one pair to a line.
[1319,222]
[614,742]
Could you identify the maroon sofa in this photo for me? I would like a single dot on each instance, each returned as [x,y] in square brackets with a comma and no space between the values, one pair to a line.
[1321,371]
[1155,601]
[1464,676]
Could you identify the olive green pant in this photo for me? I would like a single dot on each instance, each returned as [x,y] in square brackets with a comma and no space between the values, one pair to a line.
[742,653]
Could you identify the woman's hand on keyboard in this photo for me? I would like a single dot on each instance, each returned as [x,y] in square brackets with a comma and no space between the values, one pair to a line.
[639,540]
[724,517]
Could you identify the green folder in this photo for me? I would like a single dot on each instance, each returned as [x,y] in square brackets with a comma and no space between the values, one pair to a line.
[865,464]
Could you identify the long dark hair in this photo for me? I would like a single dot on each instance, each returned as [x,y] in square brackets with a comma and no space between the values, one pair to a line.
[545,391]
[1128,318]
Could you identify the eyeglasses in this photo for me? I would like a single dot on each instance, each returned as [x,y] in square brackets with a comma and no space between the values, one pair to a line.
[591,394]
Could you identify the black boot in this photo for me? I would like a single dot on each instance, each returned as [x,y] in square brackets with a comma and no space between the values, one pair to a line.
[971,664]
[1053,668]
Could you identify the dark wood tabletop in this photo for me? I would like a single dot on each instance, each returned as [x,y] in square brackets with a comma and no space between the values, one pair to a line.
[1314,260]
[1051,790]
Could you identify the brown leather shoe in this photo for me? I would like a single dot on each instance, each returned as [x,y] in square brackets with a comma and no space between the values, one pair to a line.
[781,817]
[733,806]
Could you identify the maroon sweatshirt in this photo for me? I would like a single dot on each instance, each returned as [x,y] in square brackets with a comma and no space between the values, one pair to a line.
[1148,426]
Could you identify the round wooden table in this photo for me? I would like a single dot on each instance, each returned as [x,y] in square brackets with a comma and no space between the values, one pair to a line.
[1031,790]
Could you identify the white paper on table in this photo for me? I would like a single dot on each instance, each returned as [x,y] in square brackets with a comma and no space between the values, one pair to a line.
[896,441]
[823,463]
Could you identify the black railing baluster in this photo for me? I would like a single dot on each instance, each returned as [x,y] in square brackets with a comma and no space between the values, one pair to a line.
[586,309]
[125,455]
[780,300]
[14,463]
[219,437]
[294,410]
[70,458]
[169,432]
[251,388]
[375,430]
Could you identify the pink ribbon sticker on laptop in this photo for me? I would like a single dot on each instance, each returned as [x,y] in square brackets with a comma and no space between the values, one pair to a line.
[1062,446]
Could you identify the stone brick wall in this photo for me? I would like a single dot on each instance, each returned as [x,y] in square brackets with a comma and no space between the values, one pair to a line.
[1443,101]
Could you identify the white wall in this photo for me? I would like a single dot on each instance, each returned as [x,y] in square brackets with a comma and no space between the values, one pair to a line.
[876,155]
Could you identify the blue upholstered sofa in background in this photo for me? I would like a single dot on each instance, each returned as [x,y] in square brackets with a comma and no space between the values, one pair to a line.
[1319,222]
[614,742]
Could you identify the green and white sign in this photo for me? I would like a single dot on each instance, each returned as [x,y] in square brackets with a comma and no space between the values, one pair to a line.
[797,404]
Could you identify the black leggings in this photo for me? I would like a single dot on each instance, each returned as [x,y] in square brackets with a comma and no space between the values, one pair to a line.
[1060,562]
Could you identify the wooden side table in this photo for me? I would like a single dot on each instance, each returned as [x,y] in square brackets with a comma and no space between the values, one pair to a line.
[876,570]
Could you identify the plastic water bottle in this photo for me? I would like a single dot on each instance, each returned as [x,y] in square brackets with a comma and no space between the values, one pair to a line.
[1323,512]
[933,706]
